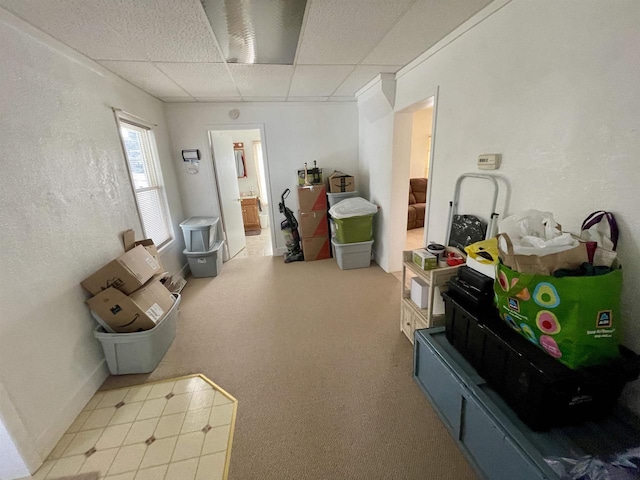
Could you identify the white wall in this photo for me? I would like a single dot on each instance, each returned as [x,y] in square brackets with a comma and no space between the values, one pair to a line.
[66,198]
[552,86]
[294,133]
[420,133]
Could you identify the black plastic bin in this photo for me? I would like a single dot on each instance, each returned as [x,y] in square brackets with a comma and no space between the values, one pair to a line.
[542,391]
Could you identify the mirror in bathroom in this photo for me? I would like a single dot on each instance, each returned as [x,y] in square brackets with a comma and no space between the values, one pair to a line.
[238,151]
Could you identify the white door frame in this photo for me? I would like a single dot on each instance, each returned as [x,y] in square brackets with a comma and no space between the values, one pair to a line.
[265,160]
[400,171]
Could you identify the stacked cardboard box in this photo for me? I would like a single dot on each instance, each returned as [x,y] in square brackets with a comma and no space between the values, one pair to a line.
[314,224]
[128,295]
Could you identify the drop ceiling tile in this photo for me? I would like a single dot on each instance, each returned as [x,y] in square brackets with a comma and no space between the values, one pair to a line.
[361,75]
[201,79]
[426,23]
[219,99]
[146,76]
[262,80]
[307,99]
[264,99]
[80,24]
[177,99]
[318,80]
[344,32]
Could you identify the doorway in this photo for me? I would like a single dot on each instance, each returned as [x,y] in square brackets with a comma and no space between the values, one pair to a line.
[413,136]
[243,190]
[421,126]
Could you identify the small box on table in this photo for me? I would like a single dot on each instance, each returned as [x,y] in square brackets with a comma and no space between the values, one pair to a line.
[425,260]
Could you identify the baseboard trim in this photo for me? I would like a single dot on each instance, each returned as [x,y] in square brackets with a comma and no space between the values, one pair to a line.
[184,271]
[47,441]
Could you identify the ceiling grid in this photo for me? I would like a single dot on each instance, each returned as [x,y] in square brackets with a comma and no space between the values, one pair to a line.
[169,47]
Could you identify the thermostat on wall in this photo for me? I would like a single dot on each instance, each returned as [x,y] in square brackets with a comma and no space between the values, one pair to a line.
[489,161]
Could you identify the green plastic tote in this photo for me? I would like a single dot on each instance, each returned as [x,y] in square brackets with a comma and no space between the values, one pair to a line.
[574,319]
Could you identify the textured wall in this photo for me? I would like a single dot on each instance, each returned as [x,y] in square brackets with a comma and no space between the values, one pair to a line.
[553,87]
[66,197]
[294,133]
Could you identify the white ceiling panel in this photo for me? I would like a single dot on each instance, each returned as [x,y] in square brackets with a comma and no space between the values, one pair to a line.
[219,99]
[361,75]
[264,99]
[205,80]
[177,99]
[262,80]
[307,99]
[167,31]
[318,80]
[345,31]
[146,76]
[426,23]
[79,24]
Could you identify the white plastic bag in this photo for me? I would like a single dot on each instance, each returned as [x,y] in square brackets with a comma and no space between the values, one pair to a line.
[535,233]
[530,223]
[353,207]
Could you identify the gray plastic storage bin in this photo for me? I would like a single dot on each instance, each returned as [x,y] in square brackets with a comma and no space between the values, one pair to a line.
[352,255]
[338,197]
[200,233]
[139,352]
[206,264]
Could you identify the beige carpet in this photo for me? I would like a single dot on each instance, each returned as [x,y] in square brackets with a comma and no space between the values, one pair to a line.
[315,357]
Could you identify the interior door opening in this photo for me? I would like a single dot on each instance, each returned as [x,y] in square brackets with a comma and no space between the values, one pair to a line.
[243,191]
[412,170]
[421,125]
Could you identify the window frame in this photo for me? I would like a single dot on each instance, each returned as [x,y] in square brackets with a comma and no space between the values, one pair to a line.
[124,119]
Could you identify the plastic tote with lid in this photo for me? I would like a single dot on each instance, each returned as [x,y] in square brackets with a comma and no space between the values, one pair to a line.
[353,218]
[200,233]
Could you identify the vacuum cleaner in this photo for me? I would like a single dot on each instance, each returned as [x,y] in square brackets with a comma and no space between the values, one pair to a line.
[289,228]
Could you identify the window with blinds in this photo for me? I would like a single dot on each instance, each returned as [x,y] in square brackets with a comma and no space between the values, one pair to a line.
[147,181]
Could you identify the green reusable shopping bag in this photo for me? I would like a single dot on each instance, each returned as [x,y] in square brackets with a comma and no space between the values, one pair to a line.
[574,319]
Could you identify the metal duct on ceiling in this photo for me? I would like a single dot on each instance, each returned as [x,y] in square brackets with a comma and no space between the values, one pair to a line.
[256,31]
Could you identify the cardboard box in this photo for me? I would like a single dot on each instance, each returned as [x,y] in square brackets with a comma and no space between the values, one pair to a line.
[127,273]
[424,259]
[134,313]
[312,198]
[341,182]
[130,242]
[314,224]
[316,248]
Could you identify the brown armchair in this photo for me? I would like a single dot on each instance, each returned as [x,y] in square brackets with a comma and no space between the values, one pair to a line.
[417,202]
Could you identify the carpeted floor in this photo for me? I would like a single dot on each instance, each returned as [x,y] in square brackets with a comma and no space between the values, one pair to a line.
[321,371]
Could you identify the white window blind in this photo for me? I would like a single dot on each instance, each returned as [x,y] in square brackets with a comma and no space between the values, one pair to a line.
[147,182]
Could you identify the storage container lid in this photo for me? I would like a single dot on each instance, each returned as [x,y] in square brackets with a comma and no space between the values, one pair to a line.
[217,245]
[353,207]
[198,223]
[336,243]
[343,194]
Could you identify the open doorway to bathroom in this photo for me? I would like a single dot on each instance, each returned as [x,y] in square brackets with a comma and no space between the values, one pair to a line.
[421,126]
[244,195]
[247,146]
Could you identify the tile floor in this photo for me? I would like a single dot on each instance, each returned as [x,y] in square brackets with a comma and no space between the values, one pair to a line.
[177,429]
[257,245]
